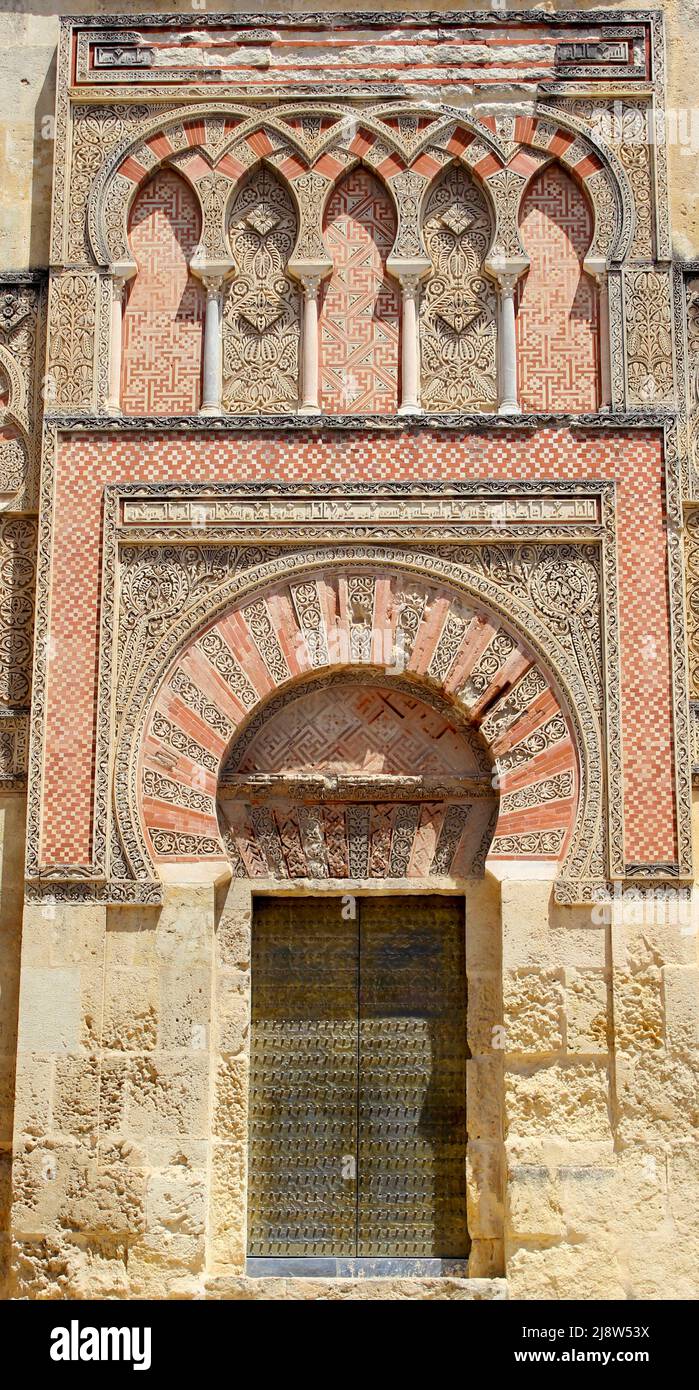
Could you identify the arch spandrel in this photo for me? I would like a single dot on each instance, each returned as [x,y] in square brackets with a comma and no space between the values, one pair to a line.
[365,625]
[290,138]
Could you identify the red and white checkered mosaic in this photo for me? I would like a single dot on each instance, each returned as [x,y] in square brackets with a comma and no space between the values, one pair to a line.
[634,458]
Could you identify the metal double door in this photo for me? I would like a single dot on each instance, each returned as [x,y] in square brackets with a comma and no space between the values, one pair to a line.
[358,1078]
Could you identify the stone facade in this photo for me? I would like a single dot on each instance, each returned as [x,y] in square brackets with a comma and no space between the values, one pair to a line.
[349,546]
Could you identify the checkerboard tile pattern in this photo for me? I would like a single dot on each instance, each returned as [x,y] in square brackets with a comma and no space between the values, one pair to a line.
[86,463]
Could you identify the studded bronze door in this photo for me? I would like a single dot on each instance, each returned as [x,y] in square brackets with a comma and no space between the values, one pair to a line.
[358,1080]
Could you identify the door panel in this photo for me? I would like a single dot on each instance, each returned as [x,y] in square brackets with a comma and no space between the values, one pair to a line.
[303,1094]
[412,1078]
[358,1053]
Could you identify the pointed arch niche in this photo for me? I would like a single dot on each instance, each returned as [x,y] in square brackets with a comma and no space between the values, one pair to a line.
[558,329]
[360,304]
[164,313]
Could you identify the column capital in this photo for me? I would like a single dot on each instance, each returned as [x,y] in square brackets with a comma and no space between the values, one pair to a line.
[212,274]
[597,268]
[309,274]
[120,272]
[408,271]
[506,271]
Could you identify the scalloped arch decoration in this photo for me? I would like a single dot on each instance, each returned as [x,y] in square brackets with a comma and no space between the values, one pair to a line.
[362,624]
[294,149]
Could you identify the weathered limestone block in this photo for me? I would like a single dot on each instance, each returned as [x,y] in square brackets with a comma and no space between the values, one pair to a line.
[32,1096]
[681,1004]
[233,937]
[484,1019]
[657,1100]
[169,1095]
[537,933]
[51,1013]
[586,1270]
[40,1268]
[590,1199]
[97,1267]
[130,1010]
[483,1097]
[75,1106]
[587,1013]
[162,1265]
[356,1290]
[131,938]
[7,1090]
[568,1100]
[9,997]
[231,1106]
[184,935]
[176,1201]
[232,1013]
[483,930]
[109,1199]
[553,1151]
[638,1010]
[228,1214]
[63,934]
[41,1175]
[484,1189]
[533,1010]
[155,1094]
[486,1259]
[533,1202]
[185,1008]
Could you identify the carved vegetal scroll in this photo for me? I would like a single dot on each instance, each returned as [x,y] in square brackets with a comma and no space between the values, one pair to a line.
[261,319]
[458,319]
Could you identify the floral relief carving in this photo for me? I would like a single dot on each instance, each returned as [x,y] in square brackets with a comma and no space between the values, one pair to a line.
[261,319]
[649,338]
[96,131]
[72,330]
[20,326]
[17,581]
[159,582]
[458,316]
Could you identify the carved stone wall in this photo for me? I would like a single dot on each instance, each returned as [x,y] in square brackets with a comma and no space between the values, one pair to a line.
[261,319]
[162,342]
[459,307]
[349,654]
[22,329]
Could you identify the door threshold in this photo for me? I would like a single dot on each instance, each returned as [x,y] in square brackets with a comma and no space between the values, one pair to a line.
[353,1267]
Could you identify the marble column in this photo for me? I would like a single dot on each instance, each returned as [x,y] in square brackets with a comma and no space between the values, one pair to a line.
[596,267]
[310,384]
[410,349]
[213,367]
[118,279]
[507,348]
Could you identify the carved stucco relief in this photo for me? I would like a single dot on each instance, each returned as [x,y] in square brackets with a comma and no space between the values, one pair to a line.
[649,341]
[458,313]
[22,306]
[583,657]
[261,318]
